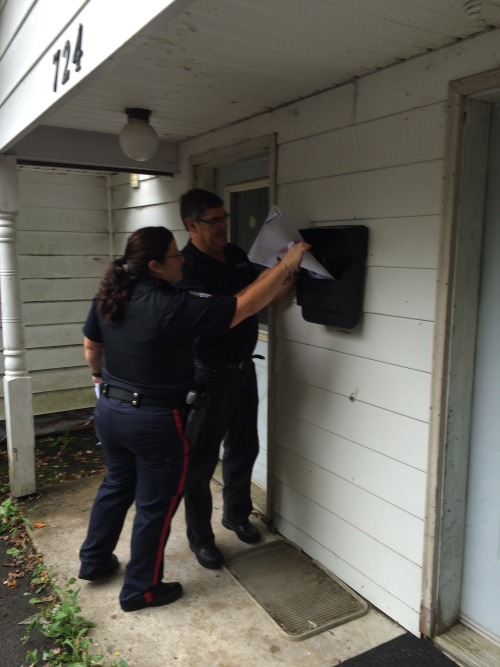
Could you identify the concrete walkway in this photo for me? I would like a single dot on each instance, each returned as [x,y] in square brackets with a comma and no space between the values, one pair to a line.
[215,623]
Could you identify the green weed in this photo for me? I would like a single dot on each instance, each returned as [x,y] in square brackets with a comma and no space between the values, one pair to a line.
[59,617]
[11,518]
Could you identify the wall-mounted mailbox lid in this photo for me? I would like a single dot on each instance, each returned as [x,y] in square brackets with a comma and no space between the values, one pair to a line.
[342,250]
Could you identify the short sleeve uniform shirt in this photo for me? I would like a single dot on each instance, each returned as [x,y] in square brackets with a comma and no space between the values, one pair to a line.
[206,274]
[151,348]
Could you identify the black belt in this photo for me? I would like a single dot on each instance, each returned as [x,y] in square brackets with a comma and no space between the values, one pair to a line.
[230,365]
[137,399]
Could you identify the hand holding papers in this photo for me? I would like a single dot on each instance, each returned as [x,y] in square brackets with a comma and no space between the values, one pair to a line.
[278,231]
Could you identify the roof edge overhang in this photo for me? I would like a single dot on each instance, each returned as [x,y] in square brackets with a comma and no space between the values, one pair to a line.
[56,146]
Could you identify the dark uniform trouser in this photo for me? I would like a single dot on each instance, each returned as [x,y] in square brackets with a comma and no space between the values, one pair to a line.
[146,455]
[229,416]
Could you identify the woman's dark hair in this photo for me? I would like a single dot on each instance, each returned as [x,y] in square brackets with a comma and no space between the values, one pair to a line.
[144,245]
[195,202]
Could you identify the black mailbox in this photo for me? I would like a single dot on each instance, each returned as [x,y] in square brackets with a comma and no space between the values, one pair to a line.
[342,250]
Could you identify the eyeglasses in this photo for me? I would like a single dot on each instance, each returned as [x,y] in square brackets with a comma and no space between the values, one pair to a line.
[214,221]
[177,255]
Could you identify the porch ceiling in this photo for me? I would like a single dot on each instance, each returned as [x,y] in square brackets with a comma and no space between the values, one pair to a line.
[222,61]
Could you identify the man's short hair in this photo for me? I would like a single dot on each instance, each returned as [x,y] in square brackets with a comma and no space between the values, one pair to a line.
[195,202]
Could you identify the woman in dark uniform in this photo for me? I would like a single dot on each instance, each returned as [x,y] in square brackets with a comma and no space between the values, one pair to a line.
[143,327]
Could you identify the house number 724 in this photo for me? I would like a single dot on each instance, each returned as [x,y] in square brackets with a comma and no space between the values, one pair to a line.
[66,57]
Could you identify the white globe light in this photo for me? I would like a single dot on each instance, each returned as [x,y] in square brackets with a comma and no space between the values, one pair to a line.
[138,140]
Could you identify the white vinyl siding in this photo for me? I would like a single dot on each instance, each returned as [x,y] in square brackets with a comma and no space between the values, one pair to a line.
[63,246]
[352,408]
[153,203]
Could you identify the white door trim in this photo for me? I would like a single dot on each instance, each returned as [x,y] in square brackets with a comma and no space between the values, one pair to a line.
[455,330]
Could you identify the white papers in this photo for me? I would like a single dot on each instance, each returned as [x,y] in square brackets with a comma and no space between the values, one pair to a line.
[279,230]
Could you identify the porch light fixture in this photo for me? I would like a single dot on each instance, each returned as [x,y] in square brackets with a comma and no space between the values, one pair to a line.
[137,138]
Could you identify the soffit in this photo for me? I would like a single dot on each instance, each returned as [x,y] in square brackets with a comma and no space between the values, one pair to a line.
[222,61]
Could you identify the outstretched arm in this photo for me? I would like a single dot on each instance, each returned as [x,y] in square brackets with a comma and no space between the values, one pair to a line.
[268,285]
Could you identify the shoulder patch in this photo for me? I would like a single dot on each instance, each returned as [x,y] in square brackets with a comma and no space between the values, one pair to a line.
[200,295]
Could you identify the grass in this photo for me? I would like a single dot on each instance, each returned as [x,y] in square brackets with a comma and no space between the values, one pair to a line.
[58,614]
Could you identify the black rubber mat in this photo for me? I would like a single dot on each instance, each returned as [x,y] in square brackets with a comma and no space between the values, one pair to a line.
[404,651]
[299,597]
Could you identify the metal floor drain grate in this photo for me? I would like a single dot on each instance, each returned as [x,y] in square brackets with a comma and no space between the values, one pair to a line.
[300,598]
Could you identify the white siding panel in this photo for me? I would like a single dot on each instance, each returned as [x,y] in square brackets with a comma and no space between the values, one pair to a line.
[389,433]
[400,292]
[395,340]
[355,578]
[423,81]
[151,192]
[130,219]
[60,176]
[59,311]
[181,238]
[63,244]
[394,388]
[390,192]
[414,136]
[67,289]
[170,188]
[62,219]
[35,266]
[120,240]
[406,242]
[56,357]
[63,196]
[308,117]
[54,336]
[395,574]
[396,488]
[122,179]
[54,243]
[62,378]
[400,242]
[47,402]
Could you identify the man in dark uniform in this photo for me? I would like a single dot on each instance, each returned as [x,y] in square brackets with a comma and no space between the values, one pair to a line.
[225,372]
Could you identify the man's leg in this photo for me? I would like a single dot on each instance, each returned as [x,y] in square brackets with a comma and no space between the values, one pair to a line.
[204,454]
[241,448]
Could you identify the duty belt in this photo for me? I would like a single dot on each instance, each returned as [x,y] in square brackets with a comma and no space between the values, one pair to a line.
[136,399]
[229,365]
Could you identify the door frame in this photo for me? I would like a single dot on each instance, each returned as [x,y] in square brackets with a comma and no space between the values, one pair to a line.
[253,184]
[470,102]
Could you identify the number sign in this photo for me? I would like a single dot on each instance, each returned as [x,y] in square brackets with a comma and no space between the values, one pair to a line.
[67,60]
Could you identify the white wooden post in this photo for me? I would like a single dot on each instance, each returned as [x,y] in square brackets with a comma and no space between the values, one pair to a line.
[17,383]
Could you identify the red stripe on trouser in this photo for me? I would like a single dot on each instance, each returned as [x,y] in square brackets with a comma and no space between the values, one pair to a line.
[175,498]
